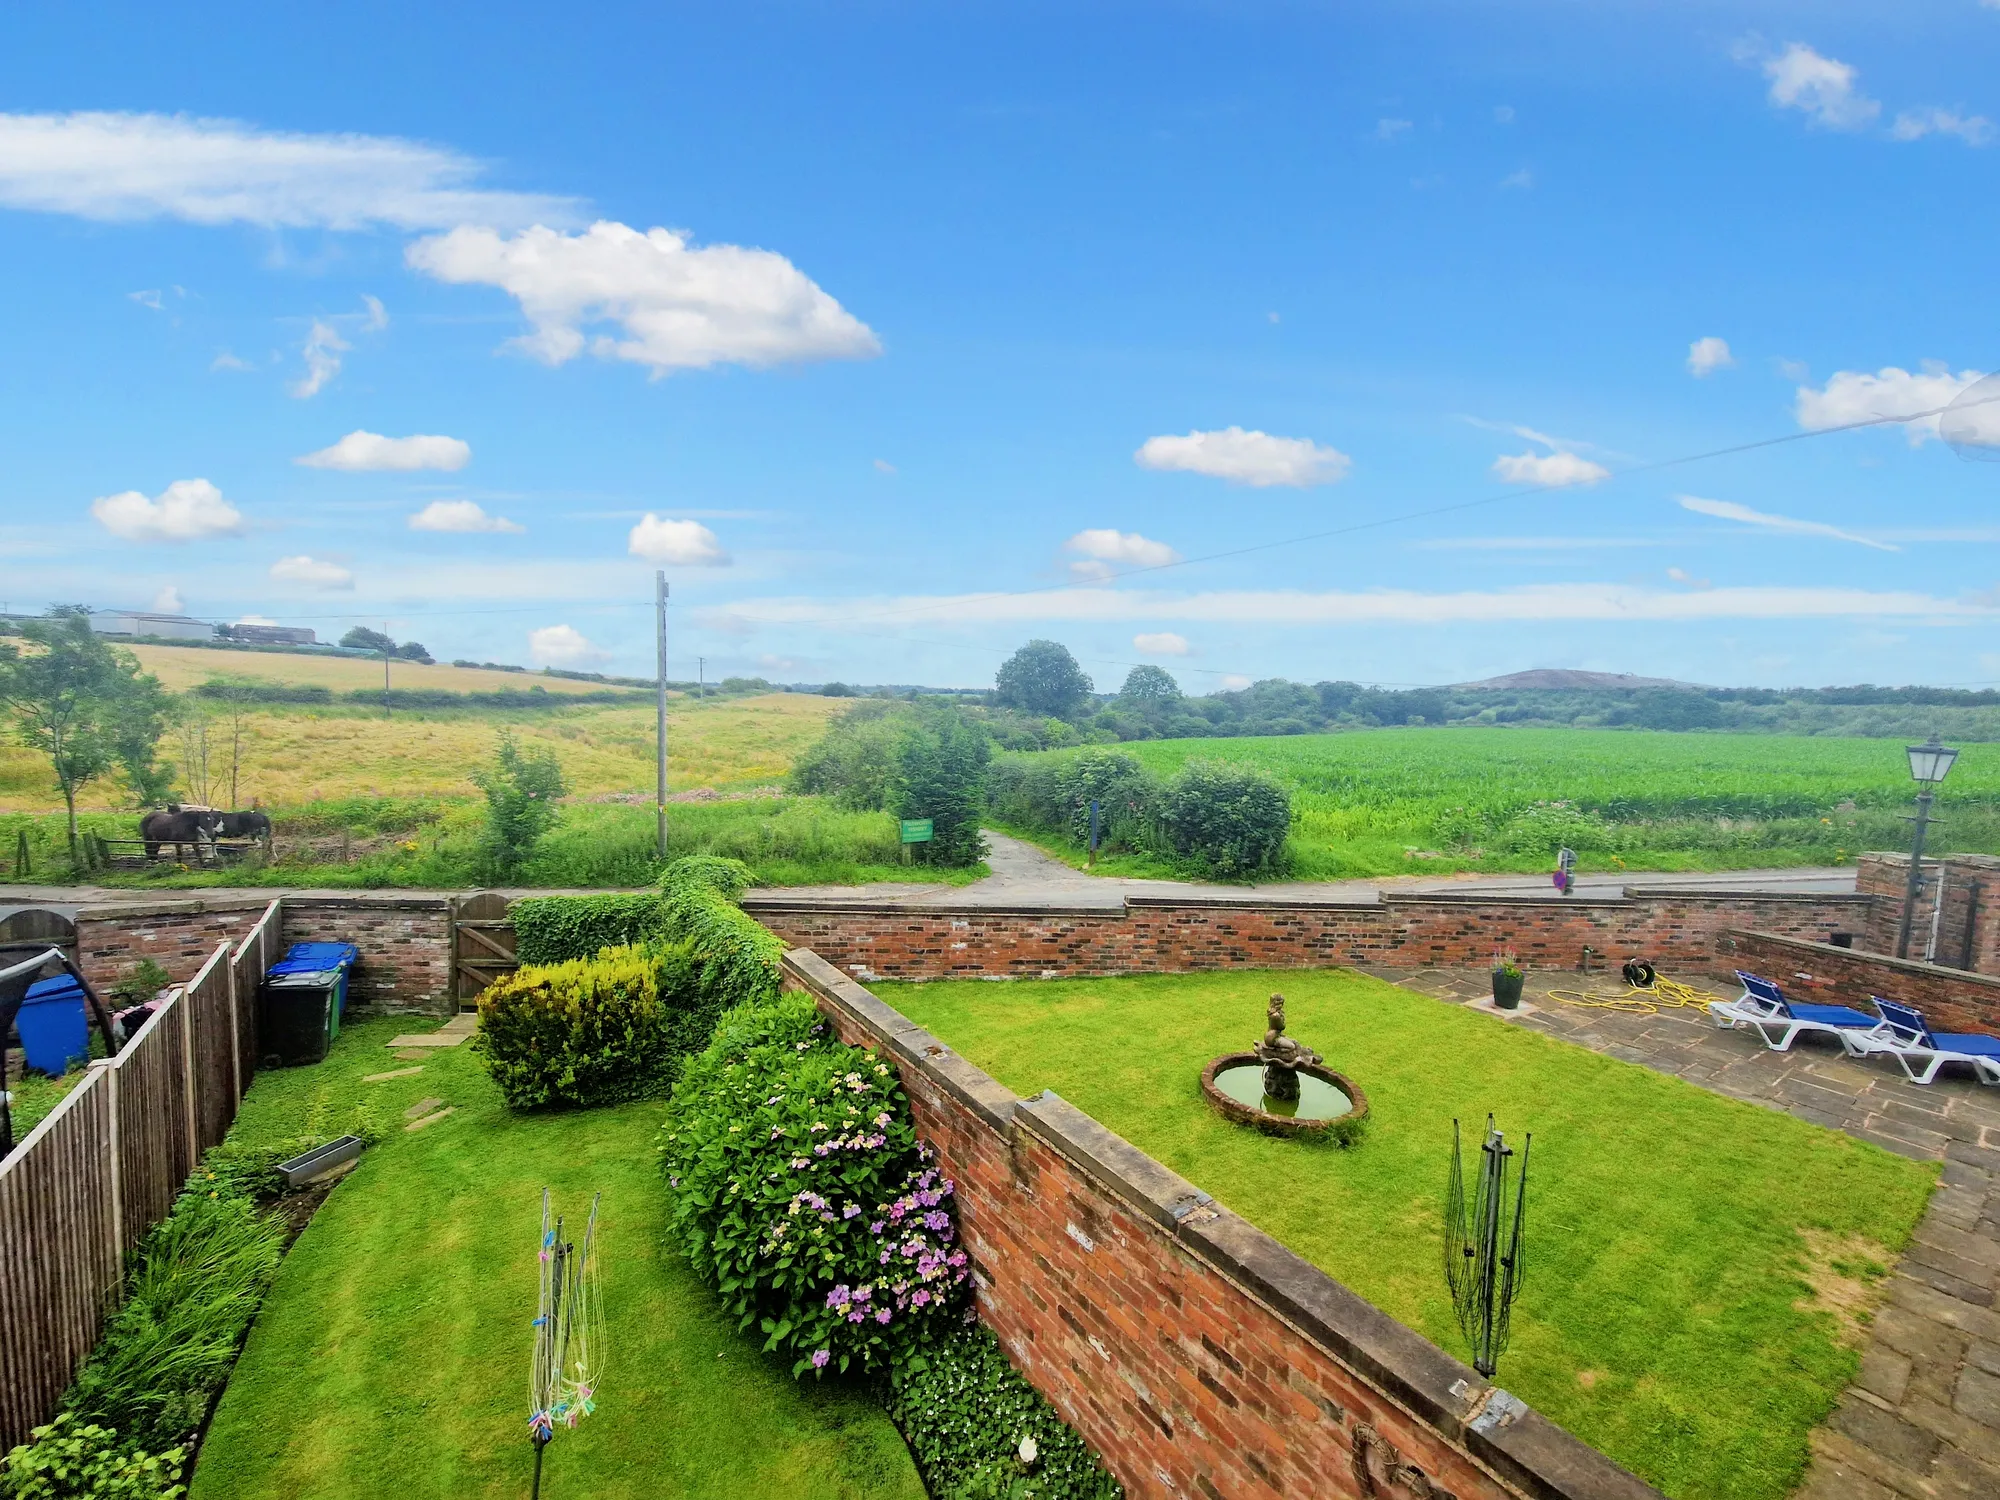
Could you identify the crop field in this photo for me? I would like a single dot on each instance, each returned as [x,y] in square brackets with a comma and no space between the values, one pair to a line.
[182,667]
[1433,801]
[297,755]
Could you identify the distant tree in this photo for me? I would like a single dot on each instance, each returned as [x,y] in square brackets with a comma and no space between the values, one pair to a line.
[85,705]
[521,789]
[1043,678]
[836,690]
[1674,708]
[1150,684]
[361,638]
[414,651]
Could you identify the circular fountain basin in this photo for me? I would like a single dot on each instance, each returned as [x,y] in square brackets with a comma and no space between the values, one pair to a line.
[1328,1103]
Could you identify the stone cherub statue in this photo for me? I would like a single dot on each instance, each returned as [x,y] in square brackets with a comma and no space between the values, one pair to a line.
[1281,1055]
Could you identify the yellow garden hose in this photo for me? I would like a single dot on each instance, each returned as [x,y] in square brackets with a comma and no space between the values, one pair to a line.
[1665,994]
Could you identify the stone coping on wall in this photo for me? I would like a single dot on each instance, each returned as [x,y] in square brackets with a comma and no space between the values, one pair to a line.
[167,906]
[1523,1449]
[776,901]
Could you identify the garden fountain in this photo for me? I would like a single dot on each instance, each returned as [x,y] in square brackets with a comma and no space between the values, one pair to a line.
[1284,1087]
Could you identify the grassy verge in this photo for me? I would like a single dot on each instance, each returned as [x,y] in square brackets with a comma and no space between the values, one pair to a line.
[392,1354]
[1674,1236]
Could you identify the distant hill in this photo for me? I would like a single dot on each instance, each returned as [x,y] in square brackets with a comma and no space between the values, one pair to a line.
[1564,678]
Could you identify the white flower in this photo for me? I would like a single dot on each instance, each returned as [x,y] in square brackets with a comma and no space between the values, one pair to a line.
[1029,1452]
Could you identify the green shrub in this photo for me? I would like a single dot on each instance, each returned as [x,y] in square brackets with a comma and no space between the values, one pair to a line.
[800,1192]
[555,929]
[940,775]
[964,1410]
[854,761]
[1227,819]
[195,1282]
[74,1460]
[741,961]
[521,788]
[593,1030]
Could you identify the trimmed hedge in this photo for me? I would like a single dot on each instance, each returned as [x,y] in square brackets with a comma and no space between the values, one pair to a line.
[594,1030]
[740,958]
[556,929]
[964,1410]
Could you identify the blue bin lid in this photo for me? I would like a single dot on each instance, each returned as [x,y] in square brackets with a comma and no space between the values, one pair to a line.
[53,991]
[316,958]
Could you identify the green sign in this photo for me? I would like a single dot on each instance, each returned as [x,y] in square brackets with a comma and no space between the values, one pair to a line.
[916,830]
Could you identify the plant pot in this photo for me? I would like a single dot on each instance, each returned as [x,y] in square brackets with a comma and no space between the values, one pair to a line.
[1507,990]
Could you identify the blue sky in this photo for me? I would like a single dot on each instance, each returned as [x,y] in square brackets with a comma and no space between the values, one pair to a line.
[899,334]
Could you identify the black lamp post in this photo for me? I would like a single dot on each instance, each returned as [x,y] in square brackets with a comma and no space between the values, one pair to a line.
[1929,764]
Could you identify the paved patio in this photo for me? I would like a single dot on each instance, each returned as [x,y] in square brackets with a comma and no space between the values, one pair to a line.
[1922,1419]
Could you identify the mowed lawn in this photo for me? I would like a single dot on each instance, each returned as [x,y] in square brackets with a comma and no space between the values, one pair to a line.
[392,1357]
[1666,1317]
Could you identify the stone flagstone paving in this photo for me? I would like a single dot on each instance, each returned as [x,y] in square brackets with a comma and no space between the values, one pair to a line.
[1922,1419]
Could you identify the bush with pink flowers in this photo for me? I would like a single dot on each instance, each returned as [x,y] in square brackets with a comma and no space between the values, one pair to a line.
[801,1192]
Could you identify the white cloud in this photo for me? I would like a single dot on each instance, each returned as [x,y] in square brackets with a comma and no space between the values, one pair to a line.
[185,511]
[254,620]
[684,543]
[1729,510]
[370,452]
[883,466]
[1161,643]
[1503,114]
[1915,124]
[1853,396]
[224,360]
[563,646]
[377,316]
[460,516]
[146,299]
[311,572]
[1553,470]
[1235,682]
[1707,355]
[1533,602]
[122,166]
[323,348]
[1389,130]
[678,307]
[1253,458]
[1820,87]
[1682,576]
[1103,548]
[1520,179]
[168,601]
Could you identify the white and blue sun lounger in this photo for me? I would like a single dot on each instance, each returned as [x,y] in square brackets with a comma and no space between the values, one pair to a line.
[1907,1037]
[1764,1009]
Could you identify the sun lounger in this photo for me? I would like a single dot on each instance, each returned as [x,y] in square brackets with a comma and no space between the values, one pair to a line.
[1764,1009]
[1907,1037]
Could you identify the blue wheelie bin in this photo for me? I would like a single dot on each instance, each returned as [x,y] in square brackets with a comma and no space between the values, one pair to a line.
[54,1025]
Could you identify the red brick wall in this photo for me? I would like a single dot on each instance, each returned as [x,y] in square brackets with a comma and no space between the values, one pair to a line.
[1951,999]
[1196,1354]
[1156,935]
[405,943]
[111,941]
[1968,931]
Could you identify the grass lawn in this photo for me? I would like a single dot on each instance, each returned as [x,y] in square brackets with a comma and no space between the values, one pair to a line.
[392,1356]
[1667,1316]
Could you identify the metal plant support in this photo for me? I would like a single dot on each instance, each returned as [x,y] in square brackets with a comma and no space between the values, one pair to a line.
[1482,1248]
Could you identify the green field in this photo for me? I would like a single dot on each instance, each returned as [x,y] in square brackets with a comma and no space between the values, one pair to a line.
[1432,801]
[1678,1242]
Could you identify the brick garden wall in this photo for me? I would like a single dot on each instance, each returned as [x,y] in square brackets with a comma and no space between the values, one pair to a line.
[1199,1356]
[1161,935]
[405,941]
[1968,929]
[1951,999]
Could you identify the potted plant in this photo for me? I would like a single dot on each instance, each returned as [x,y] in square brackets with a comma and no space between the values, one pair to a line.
[1506,979]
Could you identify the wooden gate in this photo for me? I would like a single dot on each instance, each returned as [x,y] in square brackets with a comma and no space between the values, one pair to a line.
[482,944]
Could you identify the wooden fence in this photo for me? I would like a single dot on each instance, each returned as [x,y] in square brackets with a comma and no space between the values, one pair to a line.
[105,1165]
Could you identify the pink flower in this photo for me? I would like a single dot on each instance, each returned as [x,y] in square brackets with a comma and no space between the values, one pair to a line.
[819,1358]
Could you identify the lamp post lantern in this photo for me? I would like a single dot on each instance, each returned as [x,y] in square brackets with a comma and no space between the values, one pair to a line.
[1930,762]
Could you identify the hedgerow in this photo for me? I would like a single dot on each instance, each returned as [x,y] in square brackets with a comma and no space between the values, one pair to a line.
[740,959]
[555,929]
[979,1431]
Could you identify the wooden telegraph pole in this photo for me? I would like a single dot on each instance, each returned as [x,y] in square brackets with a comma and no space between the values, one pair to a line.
[660,645]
